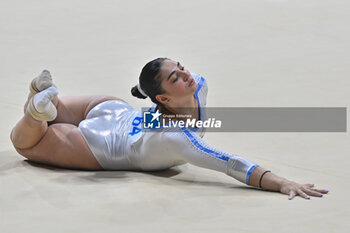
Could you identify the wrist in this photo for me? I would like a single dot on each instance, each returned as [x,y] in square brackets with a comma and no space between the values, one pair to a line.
[282,183]
[273,182]
[261,177]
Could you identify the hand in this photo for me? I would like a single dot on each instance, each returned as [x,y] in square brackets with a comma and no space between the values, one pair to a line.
[303,190]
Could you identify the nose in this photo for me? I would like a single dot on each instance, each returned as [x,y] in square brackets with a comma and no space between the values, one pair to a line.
[185,76]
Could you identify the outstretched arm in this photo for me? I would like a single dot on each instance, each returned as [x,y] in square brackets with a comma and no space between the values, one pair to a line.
[189,147]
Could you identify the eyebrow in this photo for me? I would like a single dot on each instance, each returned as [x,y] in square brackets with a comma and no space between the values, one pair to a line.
[178,64]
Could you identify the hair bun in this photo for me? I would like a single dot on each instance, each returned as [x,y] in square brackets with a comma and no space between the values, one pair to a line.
[135,92]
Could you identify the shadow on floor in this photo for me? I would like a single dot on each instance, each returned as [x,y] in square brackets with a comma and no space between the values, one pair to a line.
[10,160]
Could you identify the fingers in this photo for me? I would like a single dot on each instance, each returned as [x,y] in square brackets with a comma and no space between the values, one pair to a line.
[303,190]
[299,192]
[291,195]
[307,190]
[302,194]
[313,193]
[324,191]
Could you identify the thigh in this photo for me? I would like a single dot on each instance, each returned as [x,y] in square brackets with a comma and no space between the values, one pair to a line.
[74,109]
[62,146]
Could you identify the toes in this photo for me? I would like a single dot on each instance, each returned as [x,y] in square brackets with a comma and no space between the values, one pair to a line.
[45,73]
[43,81]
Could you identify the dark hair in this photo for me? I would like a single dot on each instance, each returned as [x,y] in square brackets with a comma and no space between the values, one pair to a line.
[150,81]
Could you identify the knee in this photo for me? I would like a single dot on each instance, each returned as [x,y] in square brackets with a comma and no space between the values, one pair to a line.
[15,145]
[26,153]
[34,153]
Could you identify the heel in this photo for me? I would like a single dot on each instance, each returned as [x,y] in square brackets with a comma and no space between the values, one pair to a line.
[48,115]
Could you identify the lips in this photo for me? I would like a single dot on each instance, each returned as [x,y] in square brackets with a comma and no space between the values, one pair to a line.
[191,83]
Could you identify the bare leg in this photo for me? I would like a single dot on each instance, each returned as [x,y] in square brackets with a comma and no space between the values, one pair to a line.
[59,144]
[28,132]
[74,109]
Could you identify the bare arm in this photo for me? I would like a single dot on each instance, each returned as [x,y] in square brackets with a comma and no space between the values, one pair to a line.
[273,182]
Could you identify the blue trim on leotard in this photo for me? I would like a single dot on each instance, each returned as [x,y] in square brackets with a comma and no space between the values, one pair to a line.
[206,150]
[214,153]
[250,172]
[200,84]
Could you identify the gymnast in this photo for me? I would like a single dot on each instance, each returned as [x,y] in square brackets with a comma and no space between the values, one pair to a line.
[102,132]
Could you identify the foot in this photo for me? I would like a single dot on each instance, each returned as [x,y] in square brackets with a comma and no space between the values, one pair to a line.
[42,82]
[40,106]
[42,100]
[38,84]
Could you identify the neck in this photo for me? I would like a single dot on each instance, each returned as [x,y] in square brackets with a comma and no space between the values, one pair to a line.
[187,108]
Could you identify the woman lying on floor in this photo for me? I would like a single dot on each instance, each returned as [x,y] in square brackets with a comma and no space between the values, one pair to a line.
[105,133]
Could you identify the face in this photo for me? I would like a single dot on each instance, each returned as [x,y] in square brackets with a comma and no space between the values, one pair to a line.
[178,84]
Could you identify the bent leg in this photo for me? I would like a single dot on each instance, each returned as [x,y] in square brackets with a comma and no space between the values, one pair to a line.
[62,145]
[70,109]
[59,144]
[27,132]
[74,109]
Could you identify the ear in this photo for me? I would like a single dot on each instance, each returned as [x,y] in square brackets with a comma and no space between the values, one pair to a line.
[162,99]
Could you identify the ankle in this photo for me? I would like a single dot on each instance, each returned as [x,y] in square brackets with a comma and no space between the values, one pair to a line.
[30,95]
[33,122]
[55,101]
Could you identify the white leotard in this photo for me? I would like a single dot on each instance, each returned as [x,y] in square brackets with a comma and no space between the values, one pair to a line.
[113,132]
